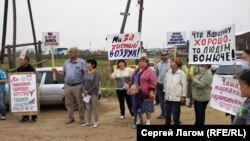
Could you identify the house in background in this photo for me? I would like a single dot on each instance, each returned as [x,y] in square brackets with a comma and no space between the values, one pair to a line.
[59,51]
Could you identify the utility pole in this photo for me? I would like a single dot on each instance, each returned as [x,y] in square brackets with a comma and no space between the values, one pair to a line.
[140,15]
[12,48]
[141,8]
[12,61]
[4,29]
[126,14]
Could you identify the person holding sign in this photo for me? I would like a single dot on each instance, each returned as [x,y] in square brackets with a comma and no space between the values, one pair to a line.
[2,94]
[122,76]
[26,67]
[175,86]
[145,78]
[201,93]
[73,72]
[91,89]
[189,69]
[243,114]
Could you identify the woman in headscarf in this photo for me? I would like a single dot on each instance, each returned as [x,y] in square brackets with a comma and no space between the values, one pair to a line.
[175,87]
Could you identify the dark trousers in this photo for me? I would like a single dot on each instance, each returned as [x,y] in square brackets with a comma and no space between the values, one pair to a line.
[122,94]
[200,112]
[140,116]
[161,97]
[34,117]
[175,107]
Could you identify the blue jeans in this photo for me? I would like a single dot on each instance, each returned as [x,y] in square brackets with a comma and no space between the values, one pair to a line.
[161,97]
[200,112]
[2,104]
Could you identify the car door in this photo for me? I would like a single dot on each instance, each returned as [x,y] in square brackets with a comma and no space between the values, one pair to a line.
[51,92]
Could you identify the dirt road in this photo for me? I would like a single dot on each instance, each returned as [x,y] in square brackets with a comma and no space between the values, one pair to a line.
[51,127]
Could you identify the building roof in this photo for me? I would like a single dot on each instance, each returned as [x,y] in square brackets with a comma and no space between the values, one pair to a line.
[243,35]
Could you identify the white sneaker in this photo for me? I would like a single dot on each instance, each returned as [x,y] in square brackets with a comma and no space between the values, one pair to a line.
[95,124]
[138,121]
[122,117]
[86,124]
[134,126]
[148,122]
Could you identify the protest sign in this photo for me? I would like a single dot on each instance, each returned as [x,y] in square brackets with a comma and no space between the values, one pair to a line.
[22,54]
[23,93]
[176,38]
[226,95]
[124,46]
[212,46]
[50,39]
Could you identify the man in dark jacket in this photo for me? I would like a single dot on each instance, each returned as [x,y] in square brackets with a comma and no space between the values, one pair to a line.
[26,67]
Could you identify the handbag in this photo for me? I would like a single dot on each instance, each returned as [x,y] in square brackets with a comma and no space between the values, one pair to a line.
[125,86]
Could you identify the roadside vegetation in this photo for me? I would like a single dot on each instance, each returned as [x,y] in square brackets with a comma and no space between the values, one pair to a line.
[107,86]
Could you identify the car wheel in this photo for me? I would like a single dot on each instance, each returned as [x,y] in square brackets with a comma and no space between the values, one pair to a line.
[75,105]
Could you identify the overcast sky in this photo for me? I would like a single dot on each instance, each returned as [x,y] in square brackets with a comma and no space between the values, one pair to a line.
[85,23]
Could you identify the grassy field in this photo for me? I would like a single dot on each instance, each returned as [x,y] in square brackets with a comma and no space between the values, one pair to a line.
[108,86]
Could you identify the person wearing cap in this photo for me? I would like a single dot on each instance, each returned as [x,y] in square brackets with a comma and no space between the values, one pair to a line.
[201,93]
[175,86]
[145,78]
[26,67]
[161,70]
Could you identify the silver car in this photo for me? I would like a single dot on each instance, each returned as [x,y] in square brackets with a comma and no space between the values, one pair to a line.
[51,92]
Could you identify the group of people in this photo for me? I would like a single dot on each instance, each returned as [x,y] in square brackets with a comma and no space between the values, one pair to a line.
[176,82]
[24,67]
[140,95]
[171,81]
[81,80]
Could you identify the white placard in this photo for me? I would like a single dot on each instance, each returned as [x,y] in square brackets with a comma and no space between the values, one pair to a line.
[22,54]
[176,38]
[226,95]
[124,46]
[212,46]
[23,93]
[50,39]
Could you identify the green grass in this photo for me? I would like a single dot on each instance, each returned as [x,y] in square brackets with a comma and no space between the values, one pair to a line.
[108,86]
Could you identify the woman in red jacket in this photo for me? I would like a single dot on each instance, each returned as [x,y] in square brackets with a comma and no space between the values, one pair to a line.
[145,78]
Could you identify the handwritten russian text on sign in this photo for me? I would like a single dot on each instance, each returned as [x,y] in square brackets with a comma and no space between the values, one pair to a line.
[23,93]
[22,54]
[212,47]
[124,46]
[176,38]
[50,39]
[225,95]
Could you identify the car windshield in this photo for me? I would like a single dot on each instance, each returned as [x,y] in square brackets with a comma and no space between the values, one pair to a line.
[151,65]
[228,69]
